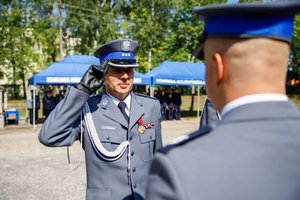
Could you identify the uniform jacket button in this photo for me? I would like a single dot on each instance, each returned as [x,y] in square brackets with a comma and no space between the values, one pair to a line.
[135,185]
[132,153]
[130,137]
[107,137]
[133,169]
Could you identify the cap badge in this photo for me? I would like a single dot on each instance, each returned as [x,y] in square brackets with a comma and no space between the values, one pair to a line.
[126,45]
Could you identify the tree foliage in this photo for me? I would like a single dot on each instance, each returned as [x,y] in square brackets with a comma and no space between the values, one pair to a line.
[17,55]
[165,30]
[92,22]
[295,50]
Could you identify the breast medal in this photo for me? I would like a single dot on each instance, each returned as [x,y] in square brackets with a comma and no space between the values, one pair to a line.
[141,128]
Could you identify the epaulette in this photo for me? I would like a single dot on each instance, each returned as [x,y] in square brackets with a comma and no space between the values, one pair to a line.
[202,131]
[146,96]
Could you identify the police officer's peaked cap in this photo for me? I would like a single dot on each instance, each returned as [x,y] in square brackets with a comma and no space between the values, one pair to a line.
[118,53]
[247,20]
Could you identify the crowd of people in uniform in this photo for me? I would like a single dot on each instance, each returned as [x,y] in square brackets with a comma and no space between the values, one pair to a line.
[170,101]
[49,101]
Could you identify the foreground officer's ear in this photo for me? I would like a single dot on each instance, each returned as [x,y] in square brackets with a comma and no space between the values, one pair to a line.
[92,80]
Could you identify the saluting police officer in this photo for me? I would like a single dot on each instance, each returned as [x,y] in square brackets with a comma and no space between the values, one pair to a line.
[253,151]
[120,130]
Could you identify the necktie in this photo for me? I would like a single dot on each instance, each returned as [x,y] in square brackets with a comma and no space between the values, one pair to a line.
[122,106]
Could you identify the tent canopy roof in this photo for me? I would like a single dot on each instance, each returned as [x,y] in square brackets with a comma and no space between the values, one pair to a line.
[178,73]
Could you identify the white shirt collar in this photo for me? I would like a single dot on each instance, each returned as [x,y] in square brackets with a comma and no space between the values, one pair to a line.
[252,99]
[127,101]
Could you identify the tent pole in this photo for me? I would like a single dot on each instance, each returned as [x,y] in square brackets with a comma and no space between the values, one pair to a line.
[152,90]
[27,113]
[198,102]
[152,87]
[33,109]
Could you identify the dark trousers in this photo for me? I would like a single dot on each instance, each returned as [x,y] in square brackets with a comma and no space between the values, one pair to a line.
[46,112]
[171,111]
[31,115]
[177,113]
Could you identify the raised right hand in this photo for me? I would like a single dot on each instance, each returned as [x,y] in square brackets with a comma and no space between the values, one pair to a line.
[93,78]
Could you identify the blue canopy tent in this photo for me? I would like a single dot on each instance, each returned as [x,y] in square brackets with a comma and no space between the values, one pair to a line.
[141,79]
[179,74]
[70,70]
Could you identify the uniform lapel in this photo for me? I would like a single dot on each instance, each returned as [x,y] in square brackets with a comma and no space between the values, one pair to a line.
[111,110]
[136,111]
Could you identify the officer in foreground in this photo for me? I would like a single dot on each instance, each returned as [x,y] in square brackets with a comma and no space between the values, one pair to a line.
[253,152]
[120,131]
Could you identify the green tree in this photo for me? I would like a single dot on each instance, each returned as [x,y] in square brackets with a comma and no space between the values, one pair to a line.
[16,42]
[166,30]
[92,22]
[295,50]
[147,22]
[46,30]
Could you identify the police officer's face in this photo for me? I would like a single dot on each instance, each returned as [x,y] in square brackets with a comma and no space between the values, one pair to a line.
[119,81]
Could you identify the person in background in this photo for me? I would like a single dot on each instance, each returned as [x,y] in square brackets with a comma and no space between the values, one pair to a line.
[121,131]
[253,151]
[171,106]
[177,103]
[30,106]
[60,96]
[49,102]
[156,94]
[164,104]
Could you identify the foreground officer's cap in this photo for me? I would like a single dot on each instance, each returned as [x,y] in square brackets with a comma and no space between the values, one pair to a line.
[272,20]
[118,53]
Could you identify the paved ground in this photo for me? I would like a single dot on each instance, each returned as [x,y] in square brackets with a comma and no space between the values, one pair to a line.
[31,171]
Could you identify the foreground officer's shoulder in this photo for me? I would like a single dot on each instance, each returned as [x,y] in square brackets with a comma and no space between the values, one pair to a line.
[186,139]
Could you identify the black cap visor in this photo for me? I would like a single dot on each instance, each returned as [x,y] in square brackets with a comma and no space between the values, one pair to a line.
[124,63]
